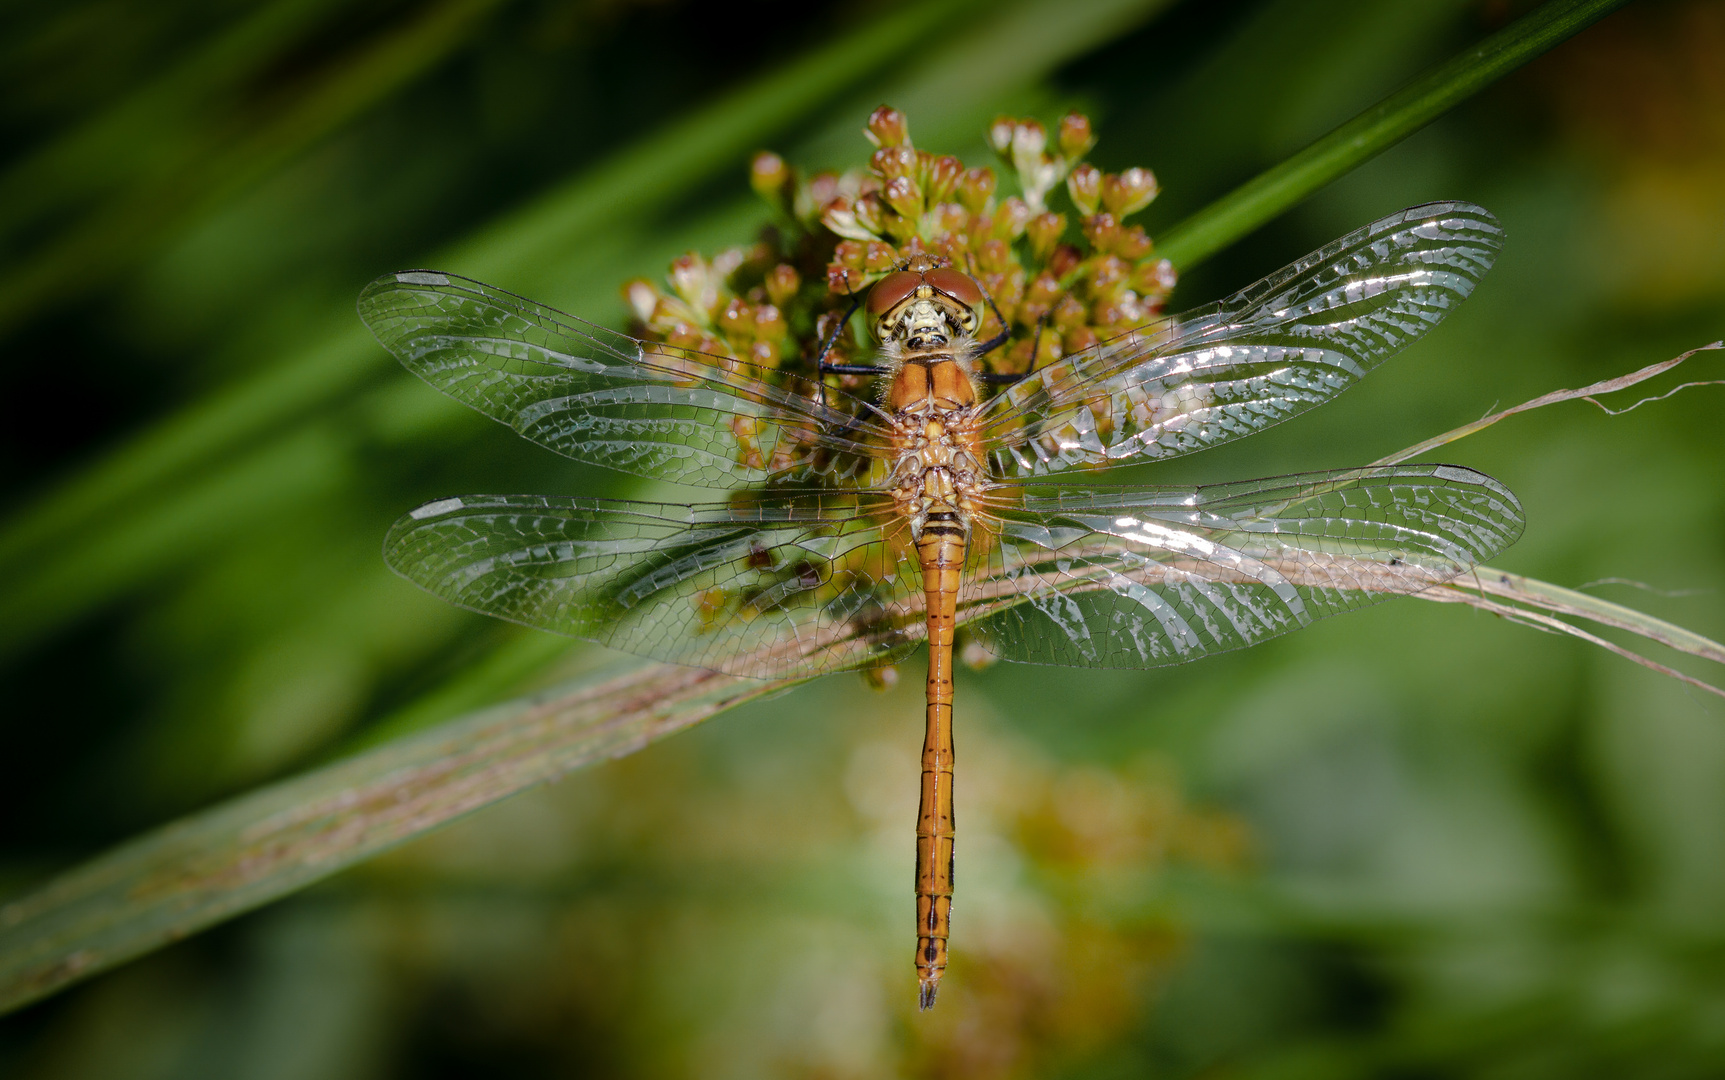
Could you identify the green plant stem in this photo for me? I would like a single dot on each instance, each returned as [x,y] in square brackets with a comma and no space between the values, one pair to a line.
[1377,129]
[213,865]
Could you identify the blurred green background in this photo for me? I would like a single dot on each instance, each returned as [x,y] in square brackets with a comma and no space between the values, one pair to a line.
[1415,841]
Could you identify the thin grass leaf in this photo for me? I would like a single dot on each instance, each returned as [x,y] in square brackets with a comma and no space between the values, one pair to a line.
[1537,604]
[1377,129]
[1585,393]
[1545,606]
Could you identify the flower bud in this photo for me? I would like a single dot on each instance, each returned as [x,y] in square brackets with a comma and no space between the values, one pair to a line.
[1102,231]
[782,283]
[1043,291]
[1076,137]
[841,217]
[944,174]
[1113,315]
[727,261]
[1154,279]
[1011,218]
[880,257]
[1069,313]
[1000,134]
[1133,243]
[871,212]
[771,179]
[948,220]
[691,281]
[1084,184]
[764,353]
[976,189]
[642,297]
[1109,274]
[770,324]
[1044,231]
[883,677]
[843,280]
[994,256]
[902,194]
[891,161]
[887,127]
[823,188]
[1064,260]
[1048,348]
[1078,339]
[1029,140]
[1129,192]
[737,319]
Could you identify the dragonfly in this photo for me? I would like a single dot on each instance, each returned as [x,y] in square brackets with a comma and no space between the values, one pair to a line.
[854,531]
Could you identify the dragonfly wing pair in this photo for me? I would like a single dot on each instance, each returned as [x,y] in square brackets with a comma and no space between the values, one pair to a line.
[1132,578]
[783,582]
[1286,344]
[608,399]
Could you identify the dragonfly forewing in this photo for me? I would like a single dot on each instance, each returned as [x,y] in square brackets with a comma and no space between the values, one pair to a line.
[592,394]
[1130,578]
[783,586]
[1273,350]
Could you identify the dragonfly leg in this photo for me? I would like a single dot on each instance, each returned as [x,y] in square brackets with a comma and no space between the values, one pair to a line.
[999,339]
[1001,378]
[824,369]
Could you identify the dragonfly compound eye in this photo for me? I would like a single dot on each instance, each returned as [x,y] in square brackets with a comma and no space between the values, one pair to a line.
[888,295]
[963,290]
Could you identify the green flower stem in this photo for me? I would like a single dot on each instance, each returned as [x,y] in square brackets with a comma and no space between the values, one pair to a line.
[1377,129]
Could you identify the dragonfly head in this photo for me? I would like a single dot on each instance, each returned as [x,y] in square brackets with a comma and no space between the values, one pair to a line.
[925,304]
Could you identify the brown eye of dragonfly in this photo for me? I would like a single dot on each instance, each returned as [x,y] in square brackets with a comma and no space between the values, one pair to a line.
[956,285]
[891,291]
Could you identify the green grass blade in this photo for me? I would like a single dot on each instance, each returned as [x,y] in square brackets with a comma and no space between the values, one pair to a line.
[1377,129]
[236,856]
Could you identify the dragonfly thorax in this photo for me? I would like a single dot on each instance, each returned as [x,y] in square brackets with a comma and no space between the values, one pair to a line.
[939,475]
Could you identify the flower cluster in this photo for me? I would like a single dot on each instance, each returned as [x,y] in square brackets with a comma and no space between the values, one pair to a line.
[1060,281]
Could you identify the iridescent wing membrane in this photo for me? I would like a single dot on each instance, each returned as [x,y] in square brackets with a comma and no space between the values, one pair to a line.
[787,585]
[1294,340]
[1125,577]
[602,397]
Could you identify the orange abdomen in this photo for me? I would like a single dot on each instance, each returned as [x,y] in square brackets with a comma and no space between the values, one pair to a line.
[940,550]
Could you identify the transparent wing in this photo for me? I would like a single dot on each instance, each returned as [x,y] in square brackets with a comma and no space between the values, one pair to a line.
[602,397]
[1275,349]
[1128,578]
[789,584]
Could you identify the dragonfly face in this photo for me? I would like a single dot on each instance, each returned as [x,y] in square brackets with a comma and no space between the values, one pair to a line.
[856,532]
[924,304]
